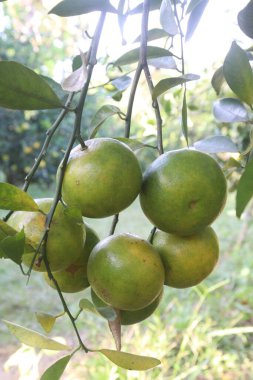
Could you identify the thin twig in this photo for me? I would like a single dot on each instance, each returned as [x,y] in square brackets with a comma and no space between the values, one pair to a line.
[75,135]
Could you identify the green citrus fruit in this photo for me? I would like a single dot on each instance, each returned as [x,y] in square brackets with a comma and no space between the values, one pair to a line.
[187,259]
[102,179]
[126,272]
[129,317]
[183,191]
[65,239]
[74,278]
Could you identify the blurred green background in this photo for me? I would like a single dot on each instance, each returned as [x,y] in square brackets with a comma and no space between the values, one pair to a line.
[202,333]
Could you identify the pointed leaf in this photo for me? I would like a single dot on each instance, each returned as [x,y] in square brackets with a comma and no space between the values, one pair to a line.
[101,116]
[87,305]
[153,34]
[77,62]
[68,8]
[46,321]
[23,89]
[216,144]
[56,370]
[185,118]
[13,198]
[194,18]
[115,328]
[244,18]
[76,80]
[218,80]
[238,73]
[154,4]
[192,5]
[121,83]
[134,144]
[244,189]
[34,339]
[167,18]
[7,230]
[130,361]
[230,110]
[56,87]
[163,63]
[13,247]
[132,56]
[165,84]
[102,308]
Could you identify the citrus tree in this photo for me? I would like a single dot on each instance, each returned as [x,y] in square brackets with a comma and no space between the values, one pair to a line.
[181,192]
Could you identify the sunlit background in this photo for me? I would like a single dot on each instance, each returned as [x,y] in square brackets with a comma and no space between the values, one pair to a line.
[192,332]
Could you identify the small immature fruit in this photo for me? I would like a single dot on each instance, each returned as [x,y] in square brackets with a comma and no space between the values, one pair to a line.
[183,191]
[102,179]
[129,317]
[187,259]
[66,236]
[126,272]
[74,278]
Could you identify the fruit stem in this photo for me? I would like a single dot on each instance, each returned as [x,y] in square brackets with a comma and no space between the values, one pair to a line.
[75,135]
[114,224]
[64,304]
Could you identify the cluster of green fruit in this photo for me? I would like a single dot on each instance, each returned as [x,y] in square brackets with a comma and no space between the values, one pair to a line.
[181,193]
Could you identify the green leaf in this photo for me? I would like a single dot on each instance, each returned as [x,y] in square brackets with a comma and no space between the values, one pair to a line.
[218,80]
[194,18]
[87,305]
[101,116]
[13,198]
[244,18]
[56,370]
[238,73]
[13,247]
[23,89]
[56,87]
[68,8]
[107,312]
[77,62]
[134,144]
[7,230]
[192,5]
[163,63]
[121,83]
[132,56]
[216,144]
[130,361]
[185,118]
[244,189]
[46,321]
[34,339]
[165,84]
[230,110]
[153,34]
[154,4]
[167,18]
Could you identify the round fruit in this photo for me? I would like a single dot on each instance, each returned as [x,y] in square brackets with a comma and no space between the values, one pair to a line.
[183,191]
[187,259]
[102,179]
[129,317]
[74,278]
[126,272]
[66,236]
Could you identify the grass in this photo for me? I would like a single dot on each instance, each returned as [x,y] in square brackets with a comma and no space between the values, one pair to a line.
[201,333]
